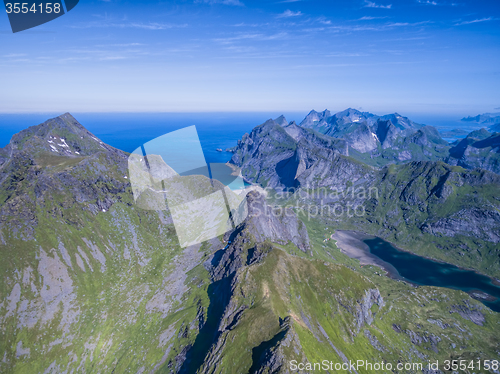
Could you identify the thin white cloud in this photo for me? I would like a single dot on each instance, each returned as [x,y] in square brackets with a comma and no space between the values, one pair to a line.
[371,4]
[223,2]
[250,36]
[12,55]
[369,18]
[399,24]
[323,21]
[121,45]
[123,25]
[378,27]
[476,21]
[346,54]
[112,58]
[436,3]
[288,13]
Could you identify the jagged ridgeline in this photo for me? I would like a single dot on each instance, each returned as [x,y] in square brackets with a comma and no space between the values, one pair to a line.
[394,139]
[90,282]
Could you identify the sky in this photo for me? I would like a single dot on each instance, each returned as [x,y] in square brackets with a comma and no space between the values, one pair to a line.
[419,56]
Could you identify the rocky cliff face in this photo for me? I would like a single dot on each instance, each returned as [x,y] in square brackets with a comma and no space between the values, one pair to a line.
[480,149]
[276,156]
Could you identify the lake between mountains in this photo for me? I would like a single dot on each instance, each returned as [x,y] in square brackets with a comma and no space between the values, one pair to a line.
[418,270]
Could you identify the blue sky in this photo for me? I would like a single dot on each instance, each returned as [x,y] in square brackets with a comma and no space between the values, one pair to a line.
[428,56]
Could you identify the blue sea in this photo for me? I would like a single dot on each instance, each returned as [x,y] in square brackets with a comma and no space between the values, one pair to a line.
[127,131]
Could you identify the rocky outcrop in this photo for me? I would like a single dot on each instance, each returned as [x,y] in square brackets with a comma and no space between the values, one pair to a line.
[278,225]
[469,312]
[364,313]
[478,223]
[480,149]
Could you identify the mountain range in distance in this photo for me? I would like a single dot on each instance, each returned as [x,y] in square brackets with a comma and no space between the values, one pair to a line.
[491,120]
[395,139]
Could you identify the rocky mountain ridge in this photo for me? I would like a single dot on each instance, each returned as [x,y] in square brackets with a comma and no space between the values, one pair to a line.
[392,139]
[480,149]
[486,119]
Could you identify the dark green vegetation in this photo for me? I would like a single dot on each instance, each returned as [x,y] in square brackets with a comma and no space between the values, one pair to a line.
[92,283]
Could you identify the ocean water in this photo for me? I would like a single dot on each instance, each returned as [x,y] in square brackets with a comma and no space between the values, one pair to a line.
[445,123]
[128,131]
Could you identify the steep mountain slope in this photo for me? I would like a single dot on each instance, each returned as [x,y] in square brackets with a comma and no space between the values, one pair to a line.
[92,283]
[273,308]
[75,251]
[272,155]
[480,149]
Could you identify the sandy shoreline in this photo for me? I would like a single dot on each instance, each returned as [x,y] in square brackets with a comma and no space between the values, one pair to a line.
[351,243]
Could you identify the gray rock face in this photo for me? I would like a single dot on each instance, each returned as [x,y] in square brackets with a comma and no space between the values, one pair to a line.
[280,226]
[384,139]
[475,222]
[364,314]
[276,156]
[469,312]
[363,131]
[374,341]
[480,149]
[386,133]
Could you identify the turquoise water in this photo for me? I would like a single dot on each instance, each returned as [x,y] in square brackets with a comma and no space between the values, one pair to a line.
[422,271]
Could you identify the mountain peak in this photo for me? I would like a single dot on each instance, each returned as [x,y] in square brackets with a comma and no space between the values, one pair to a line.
[59,136]
[314,117]
[281,120]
